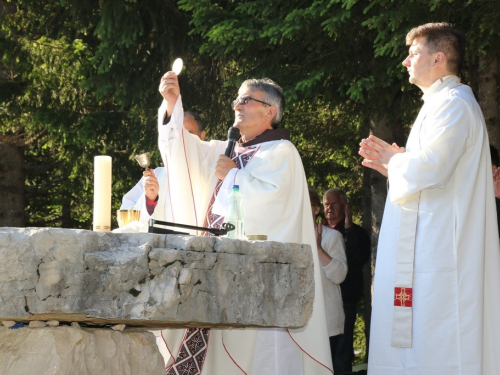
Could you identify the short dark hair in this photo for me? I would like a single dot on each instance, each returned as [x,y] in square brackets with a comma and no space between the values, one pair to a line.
[494,156]
[442,37]
[273,95]
[197,118]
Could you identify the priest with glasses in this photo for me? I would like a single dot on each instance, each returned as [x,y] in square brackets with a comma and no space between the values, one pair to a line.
[270,175]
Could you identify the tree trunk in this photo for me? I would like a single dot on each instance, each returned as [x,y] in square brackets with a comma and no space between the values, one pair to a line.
[368,267]
[12,178]
[374,193]
[488,97]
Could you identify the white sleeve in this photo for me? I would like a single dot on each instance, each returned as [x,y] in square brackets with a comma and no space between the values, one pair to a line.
[444,142]
[135,199]
[336,270]
[269,189]
[190,165]
[130,199]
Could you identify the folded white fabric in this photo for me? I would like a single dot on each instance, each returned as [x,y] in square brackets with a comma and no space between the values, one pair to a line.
[132,227]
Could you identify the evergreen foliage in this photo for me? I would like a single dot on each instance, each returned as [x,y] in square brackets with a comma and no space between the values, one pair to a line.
[80,79]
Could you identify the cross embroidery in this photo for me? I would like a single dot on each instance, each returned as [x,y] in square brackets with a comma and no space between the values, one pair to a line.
[403,297]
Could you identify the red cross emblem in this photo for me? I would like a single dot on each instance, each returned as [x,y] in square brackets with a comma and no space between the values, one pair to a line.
[403,297]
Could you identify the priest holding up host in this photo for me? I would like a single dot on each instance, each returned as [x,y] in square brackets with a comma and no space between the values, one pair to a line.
[436,294]
[271,178]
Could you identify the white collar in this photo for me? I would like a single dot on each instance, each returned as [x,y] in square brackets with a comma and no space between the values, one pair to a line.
[450,80]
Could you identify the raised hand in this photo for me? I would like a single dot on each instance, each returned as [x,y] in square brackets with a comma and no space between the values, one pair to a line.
[169,90]
[151,184]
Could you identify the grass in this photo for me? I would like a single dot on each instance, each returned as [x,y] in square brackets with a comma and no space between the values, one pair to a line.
[359,337]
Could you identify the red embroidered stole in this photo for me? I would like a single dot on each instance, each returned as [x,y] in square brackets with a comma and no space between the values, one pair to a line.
[191,356]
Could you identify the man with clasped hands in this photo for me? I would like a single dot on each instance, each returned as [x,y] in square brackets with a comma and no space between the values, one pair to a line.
[437,276]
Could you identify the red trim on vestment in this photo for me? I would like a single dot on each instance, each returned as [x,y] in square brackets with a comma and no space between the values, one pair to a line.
[310,356]
[169,195]
[189,174]
[165,341]
[232,359]
[237,155]
[178,350]
[206,353]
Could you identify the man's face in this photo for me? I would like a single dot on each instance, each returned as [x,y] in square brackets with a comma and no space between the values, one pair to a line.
[334,207]
[253,115]
[191,126]
[420,64]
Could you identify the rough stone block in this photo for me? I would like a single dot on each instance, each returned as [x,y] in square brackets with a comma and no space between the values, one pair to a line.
[67,350]
[152,280]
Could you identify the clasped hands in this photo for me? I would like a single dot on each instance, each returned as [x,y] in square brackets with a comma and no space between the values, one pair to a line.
[377,153]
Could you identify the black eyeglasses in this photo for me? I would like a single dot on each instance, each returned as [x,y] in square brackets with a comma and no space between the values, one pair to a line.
[244,101]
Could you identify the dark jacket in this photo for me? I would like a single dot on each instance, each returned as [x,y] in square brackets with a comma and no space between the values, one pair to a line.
[358,250]
[497,201]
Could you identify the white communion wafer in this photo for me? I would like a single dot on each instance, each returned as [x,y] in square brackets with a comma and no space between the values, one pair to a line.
[177,66]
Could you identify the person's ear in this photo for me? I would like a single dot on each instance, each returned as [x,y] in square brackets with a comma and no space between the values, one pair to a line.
[439,59]
[272,111]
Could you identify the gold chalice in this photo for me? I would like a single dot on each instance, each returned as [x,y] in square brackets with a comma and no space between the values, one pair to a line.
[126,216]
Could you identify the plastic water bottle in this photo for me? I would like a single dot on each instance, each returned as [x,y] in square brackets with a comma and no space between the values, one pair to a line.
[235,215]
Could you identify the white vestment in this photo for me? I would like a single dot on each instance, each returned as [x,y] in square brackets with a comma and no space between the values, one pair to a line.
[135,199]
[276,203]
[456,275]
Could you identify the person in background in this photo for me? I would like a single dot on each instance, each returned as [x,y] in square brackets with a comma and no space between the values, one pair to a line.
[144,196]
[331,254]
[495,161]
[358,249]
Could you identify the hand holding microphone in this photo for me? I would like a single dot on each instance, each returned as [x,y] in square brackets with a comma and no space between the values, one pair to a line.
[225,164]
[233,135]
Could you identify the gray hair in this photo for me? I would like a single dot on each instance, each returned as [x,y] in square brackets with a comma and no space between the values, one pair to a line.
[343,196]
[273,95]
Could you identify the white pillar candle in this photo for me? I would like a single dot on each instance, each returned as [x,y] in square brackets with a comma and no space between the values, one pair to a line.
[102,193]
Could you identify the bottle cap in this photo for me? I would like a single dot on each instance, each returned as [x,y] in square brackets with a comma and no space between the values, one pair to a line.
[237,187]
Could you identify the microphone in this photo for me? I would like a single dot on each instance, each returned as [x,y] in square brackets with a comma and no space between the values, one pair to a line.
[233,134]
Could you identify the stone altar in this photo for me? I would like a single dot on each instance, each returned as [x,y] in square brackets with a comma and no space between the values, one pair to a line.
[144,281]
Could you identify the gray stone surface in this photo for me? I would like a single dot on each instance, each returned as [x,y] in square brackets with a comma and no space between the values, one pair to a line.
[67,350]
[152,280]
